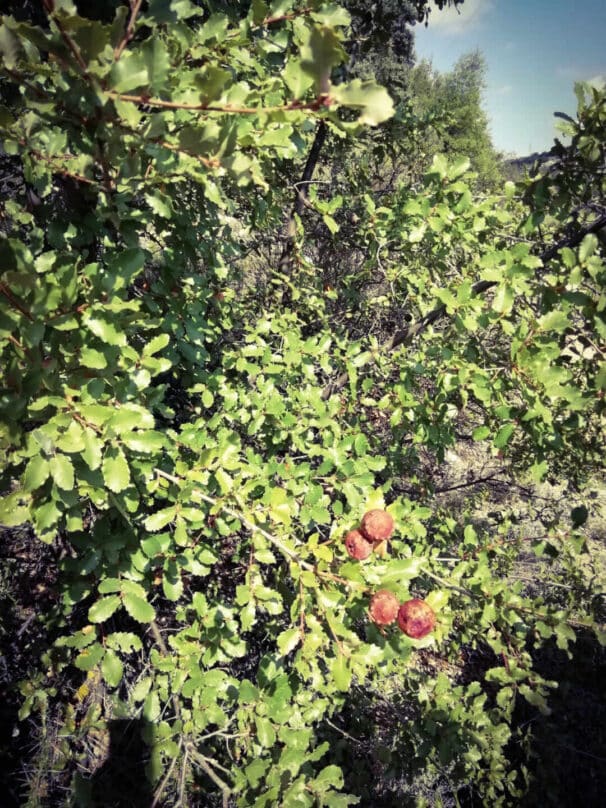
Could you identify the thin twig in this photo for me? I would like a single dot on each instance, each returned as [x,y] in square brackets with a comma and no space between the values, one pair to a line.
[159,103]
[130,28]
[162,787]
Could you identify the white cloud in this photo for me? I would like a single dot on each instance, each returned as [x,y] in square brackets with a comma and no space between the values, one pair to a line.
[574,72]
[599,81]
[456,20]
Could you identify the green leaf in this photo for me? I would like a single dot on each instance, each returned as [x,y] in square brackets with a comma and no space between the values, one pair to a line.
[265,732]
[148,442]
[503,300]
[296,79]
[116,471]
[330,776]
[15,509]
[45,517]
[371,99]
[554,321]
[480,433]
[138,608]
[341,674]
[160,519]
[62,472]
[103,609]
[108,585]
[124,641]
[288,640]
[88,658]
[320,51]
[106,331]
[587,247]
[112,668]
[503,435]
[403,569]
[151,707]
[158,343]
[91,358]
[129,73]
[36,473]
[92,453]
[130,417]
[172,583]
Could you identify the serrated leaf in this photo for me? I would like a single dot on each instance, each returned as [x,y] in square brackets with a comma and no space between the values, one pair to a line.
[503,435]
[403,569]
[106,331]
[62,471]
[265,732]
[588,246]
[130,417]
[172,583]
[91,358]
[156,344]
[160,519]
[503,300]
[297,81]
[151,707]
[554,321]
[103,608]
[88,658]
[373,100]
[92,453]
[341,674]
[124,641]
[288,640]
[330,776]
[112,668]
[109,585]
[36,473]
[138,608]
[141,689]
[116,471]
[145,442]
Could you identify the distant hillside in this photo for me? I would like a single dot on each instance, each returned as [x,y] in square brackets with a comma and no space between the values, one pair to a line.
[514,168]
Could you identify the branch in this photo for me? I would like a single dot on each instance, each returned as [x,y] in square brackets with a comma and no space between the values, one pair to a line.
[130,28]
[49,7]
[302,192]
[159,103]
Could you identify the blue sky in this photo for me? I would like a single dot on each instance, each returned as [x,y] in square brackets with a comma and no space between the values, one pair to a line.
[535,50]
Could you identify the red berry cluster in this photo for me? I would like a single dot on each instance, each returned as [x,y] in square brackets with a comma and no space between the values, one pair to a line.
[415,617]
[375,528]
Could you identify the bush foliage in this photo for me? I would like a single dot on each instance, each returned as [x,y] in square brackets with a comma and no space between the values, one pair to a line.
[197,408]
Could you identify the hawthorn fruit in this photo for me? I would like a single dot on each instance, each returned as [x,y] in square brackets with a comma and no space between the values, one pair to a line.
[416,618]
[377,525]
[383,607]
[357,546]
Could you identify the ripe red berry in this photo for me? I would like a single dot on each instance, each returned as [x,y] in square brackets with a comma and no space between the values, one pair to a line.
[383,607]
[377,525]
[416,618]
[357,546]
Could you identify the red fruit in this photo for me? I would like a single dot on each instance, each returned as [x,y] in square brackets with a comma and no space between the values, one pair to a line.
[377,525]
[416,618]
[383,607]
[357,546]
